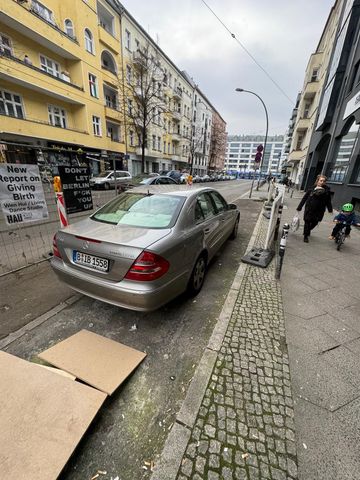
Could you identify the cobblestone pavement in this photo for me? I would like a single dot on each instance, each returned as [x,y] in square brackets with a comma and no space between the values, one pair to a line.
[245,425]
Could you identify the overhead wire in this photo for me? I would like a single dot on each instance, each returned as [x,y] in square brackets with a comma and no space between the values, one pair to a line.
[248,53]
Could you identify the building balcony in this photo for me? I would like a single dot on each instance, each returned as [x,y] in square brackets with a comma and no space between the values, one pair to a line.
[21,18]
[296,155]
[176,115]
[113,113]
[18,72]
[303,124]
[176,137]
[115,144]
[109,40]
[311,89]
[177,93]
[139,59]
[35,128]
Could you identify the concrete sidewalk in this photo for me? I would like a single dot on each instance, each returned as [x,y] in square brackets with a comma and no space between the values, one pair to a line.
[321,296]
[237,421]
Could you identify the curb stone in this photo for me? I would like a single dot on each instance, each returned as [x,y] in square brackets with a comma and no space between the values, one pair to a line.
[170,460]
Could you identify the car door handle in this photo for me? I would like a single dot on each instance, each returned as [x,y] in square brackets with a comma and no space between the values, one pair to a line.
[207,230]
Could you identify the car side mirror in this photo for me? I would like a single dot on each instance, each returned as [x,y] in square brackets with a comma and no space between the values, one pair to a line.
[232,206]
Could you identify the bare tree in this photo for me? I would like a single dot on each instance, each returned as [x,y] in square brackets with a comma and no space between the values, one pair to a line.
[143,99]
[217,145]
[197,143]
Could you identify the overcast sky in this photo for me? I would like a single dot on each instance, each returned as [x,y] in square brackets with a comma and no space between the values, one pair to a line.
[279,34]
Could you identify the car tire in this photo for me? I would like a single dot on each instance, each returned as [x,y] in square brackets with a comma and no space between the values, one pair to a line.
[107,186]
[197,276]
[234,232]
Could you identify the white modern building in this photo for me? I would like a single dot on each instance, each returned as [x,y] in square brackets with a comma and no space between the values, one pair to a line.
[241,151]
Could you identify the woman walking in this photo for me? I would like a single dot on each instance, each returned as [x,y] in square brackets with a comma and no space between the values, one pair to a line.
[316,200]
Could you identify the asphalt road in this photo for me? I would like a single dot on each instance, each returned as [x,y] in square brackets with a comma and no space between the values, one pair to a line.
[133,424]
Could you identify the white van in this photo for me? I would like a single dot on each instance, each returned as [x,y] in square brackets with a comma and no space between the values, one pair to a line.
[106,179]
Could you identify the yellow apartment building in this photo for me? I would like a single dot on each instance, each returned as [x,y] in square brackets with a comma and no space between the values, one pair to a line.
[59,84]
[65,71]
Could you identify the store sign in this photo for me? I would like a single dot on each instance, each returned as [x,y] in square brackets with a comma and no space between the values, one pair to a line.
[352,105]
[76,188]
[22,197]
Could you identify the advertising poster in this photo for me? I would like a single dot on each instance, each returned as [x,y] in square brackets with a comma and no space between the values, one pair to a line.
[75,183]
[22,196]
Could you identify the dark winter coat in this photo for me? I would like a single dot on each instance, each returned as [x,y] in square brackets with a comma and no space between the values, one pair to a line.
[315,203]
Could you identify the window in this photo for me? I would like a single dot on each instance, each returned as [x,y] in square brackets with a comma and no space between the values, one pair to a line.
[315,74]
[69,28]
[11,104]
[130,106]
[5,46]
[159,144]
[96,121]
[220,203]
[57,116]
[107,62]
[89,42]
[204,207]
[164,149]
[354,77]
[168,148]
[154,142]
[339,168]
[93,87]
[113,131]
[111,98]
[105,19]
[42,11]
[128,73]
[131,138]
[128,39]
[49,66]
[299,141]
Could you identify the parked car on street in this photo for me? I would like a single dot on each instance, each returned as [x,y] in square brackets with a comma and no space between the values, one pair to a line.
[146,246]
[150,179]
[106,179]
[175,174]
[159,180]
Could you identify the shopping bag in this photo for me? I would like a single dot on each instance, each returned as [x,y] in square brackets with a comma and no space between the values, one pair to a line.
[295,223]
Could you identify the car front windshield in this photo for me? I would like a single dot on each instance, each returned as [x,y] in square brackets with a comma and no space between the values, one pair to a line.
[141,210]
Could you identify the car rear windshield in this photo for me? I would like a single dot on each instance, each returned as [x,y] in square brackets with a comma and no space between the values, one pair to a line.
[141,210]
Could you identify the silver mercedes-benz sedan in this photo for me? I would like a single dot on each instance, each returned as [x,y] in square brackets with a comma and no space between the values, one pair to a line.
[146,246]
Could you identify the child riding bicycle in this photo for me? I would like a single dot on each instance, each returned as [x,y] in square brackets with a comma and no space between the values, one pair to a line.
[347,217]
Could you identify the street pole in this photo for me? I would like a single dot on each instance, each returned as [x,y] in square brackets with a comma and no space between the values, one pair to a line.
[266,132]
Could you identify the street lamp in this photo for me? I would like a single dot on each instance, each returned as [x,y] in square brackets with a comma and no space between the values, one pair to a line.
[266,134]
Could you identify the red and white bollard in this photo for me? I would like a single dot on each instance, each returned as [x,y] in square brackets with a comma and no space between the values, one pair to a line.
[60,204]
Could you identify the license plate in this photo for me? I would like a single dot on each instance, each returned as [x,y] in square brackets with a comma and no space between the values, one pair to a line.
[90,261]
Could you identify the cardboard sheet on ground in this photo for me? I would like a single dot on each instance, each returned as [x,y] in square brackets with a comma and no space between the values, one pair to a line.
[96,360]
[43,417]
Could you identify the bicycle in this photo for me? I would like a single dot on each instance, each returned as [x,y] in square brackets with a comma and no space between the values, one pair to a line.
[341,235]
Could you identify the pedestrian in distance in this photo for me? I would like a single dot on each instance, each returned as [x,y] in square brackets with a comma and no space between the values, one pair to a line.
[316,200]
[347,216]
[27,60]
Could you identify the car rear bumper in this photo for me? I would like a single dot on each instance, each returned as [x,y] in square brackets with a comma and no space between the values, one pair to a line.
[127,294]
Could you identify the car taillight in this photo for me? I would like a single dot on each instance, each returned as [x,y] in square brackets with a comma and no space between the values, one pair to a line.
[148,266]
[55,248]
